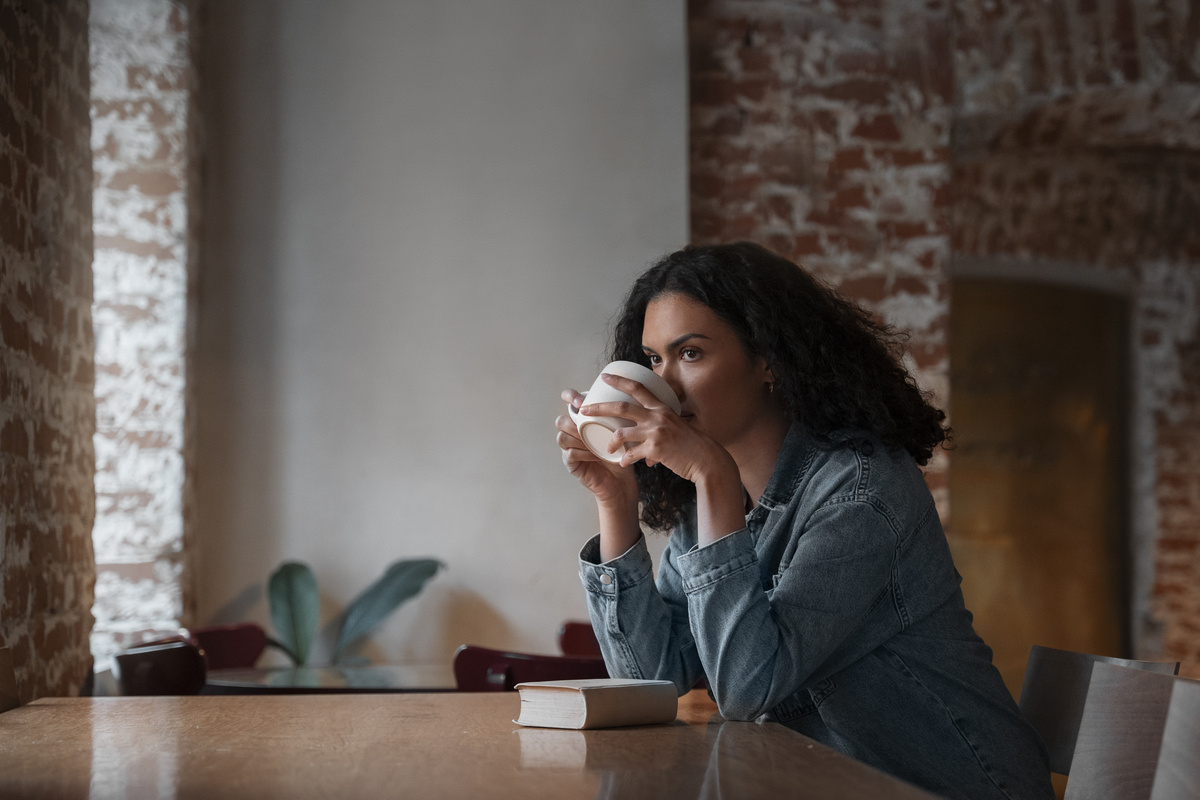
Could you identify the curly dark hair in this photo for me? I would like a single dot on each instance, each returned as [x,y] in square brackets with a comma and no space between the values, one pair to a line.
[837,369]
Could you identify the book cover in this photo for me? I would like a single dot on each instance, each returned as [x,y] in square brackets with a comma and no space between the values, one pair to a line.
[596,703]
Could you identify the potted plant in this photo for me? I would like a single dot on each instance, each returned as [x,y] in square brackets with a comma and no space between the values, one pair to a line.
[295,605]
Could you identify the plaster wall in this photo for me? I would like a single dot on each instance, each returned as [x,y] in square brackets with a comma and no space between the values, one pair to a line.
[419,218]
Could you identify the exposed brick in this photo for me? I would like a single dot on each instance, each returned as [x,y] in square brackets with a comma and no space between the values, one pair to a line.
[14,440]
[145,180]
[46,435]
[848,198]
[1081,162]
[881,129]
[849,159]
[1085,165]
[10,28]
[860,91]
[155,183]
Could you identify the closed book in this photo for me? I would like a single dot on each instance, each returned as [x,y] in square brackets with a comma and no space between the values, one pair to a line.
[596,703]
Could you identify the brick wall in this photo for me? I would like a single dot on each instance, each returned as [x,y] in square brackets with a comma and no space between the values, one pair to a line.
[878,142]
[143,77]
[823,132]
[1077,142]
[47,410]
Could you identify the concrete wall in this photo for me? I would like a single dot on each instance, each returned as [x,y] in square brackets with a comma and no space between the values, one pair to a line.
[418,219]
[47,409]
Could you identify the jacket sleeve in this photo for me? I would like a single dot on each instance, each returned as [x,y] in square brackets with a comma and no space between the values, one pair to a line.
[758,647]
[643,629]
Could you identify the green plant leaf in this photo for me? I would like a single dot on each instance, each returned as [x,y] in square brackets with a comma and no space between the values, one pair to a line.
[402,580]
[281,646]
[295,606]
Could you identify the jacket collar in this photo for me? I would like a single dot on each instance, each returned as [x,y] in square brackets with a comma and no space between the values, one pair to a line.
[795,457]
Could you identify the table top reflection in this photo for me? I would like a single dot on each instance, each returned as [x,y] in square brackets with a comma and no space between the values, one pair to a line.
[438,745]
[315,680]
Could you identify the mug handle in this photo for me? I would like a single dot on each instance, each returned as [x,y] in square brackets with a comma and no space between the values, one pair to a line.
[575,416]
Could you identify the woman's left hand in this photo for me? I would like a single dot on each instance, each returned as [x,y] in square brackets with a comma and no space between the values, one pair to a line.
[659,435]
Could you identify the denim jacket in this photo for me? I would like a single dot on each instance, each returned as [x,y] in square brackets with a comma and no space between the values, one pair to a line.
[837,612]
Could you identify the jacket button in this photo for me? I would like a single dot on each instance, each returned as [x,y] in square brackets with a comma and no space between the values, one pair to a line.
[606,579]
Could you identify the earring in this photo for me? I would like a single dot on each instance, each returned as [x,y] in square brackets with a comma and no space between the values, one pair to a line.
[771,387]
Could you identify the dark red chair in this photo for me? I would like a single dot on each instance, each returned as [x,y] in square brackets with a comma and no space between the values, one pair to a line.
[480,669]
[162,668]
[578,639]
[233,646]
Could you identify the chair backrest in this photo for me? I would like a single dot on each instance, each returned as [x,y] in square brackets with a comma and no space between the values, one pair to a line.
[1120,734]
[1177,775]
[578,639]
[165,668]
[233,646]
[9,698]
[480,669]
[1054,691]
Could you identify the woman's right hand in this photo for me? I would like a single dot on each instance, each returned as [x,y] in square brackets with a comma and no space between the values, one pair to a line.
[612,484]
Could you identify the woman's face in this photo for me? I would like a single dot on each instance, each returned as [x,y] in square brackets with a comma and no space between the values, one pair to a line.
[723,389]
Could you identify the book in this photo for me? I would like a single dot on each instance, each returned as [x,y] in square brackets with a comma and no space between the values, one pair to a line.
[596,703]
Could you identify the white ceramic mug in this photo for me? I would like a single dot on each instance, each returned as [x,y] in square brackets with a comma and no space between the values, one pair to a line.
[596,432]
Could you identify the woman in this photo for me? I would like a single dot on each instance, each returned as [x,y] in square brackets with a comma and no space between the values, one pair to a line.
[807,576]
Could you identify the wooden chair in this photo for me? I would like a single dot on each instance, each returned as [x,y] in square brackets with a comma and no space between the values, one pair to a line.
[578,639]
[1120,734]
[480,669]
[230,646]
[1177,774]
[1054,691]
[164,668]
[9,698]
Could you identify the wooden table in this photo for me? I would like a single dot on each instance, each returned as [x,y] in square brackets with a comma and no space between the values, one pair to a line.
[342,680]
[448,745]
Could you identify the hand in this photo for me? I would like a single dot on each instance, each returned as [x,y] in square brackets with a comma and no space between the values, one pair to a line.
[611,484]
[659,435]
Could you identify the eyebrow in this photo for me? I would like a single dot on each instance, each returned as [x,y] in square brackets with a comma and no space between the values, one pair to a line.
[678,341]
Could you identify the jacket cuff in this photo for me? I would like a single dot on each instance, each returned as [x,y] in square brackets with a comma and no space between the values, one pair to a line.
[703,566]
[628,569]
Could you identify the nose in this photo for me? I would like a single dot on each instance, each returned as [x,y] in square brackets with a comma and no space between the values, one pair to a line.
[670,374]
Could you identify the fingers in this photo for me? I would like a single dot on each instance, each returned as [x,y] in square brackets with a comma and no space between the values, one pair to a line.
[567,425]
[575,447]
[572,398]
[574,451]
[617,408]
[634,389]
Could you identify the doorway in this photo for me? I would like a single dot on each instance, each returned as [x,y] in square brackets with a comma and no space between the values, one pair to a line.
[1038,480]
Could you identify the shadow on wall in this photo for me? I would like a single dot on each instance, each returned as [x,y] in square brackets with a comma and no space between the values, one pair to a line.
[241,607]
[452,617]
[236,432]
[457,616]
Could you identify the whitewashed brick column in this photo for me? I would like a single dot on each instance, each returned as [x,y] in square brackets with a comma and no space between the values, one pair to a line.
[141,78]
